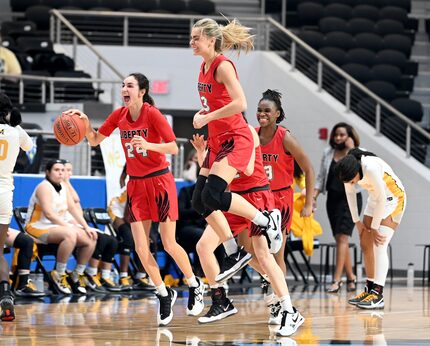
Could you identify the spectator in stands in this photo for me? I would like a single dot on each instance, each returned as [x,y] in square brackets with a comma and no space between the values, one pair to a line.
[8,62]
[12,138]
[105,250]
[191,167]
[343,137]
[23,245]
[49,222]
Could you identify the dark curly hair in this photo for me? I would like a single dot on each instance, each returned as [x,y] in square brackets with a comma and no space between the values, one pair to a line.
[348,167]
[275,97]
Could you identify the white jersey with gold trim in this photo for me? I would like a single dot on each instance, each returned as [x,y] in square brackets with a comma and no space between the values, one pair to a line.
[11,139]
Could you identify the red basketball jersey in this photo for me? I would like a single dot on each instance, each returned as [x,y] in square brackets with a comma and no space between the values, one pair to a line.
[278,164]
[151,125]
[214,95]
[258,178]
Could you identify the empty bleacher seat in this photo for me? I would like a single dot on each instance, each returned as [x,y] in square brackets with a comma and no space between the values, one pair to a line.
[360,72]
[313,38]
[398,42]
[384,90]
[388,26]
[329,24]
[204,7]
[369,41]
[361,56]
[338,10]
[335,55]
[365,11]
[40,15]
[340,40]
[310,13]
[359,25]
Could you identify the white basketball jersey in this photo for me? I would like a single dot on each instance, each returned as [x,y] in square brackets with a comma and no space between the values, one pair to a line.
[59,205]
[11,139]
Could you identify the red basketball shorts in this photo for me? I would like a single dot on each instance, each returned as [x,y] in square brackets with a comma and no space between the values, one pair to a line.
[284,200]
[153,198]
[262,200]
[236,145]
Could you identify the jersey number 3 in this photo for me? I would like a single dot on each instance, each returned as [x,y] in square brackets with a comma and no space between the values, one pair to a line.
[131,149]
[205,104]
[4,146]
[269,172]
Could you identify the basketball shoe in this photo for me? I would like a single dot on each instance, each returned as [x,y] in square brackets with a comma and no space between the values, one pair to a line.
[165,311]
[93,282]
[60,282]
[232,264]
[125,284]
[77,283]
[358,298]
[273,230]
[373,300]
[290,322]
[221,307]
[29,290]
[110,285]
[195,299]
[6,305]
[143,284]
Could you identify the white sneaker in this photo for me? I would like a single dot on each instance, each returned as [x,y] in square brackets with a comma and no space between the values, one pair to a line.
[195,299]
[290,322]
[165,310]
[274,230]
[60,282]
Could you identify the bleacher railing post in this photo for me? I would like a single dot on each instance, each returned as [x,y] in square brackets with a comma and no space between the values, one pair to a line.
[125,32]
[408,140]
[348,96]
[320,75]
[378,119]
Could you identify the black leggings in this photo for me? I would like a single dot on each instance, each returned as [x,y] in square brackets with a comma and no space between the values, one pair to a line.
[105,248]
[24,243]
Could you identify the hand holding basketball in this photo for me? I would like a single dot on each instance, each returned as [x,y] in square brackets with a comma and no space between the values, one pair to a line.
[70,128]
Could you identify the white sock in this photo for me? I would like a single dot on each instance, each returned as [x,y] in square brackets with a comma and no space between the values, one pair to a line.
[140,275]
[162,290]
[106,274]
[286,304]
[381,256]
[192,281]
[80,268]
[91,271]
[260,219]
[123,274]
[61,268]
[230,246]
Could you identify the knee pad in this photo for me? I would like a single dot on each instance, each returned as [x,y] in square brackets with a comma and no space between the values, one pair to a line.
[100,246]
[196,200]
[24,243]
[214,196]
[125,237]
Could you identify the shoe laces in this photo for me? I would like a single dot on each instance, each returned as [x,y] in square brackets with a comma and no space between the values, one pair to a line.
[81,280]
[125,281]
[362,295]
[96,280]
[165,304]
[63,281]
[216,308]
[370,297]
[31,285]
[109,281]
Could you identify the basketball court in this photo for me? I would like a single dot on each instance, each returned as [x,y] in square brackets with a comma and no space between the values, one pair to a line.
[130,319]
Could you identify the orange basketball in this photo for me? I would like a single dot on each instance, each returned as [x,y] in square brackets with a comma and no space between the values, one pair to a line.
[69,129]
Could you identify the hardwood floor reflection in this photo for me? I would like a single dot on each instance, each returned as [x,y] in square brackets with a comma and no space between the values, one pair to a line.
[125,320]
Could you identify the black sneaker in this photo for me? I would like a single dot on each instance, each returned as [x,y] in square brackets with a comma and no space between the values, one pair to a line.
[143,284]
[93,282]
[7,309]
[221,307]
[165,311]
[232,264]
[29,291]
[78,287]
[195,299]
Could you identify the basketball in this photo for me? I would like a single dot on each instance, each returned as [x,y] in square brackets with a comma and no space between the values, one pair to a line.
[69,129]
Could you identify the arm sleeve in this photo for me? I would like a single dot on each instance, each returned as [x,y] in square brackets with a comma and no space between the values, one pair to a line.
[378,195]
[161,125]
[351,196]
[111,123]
[25,142]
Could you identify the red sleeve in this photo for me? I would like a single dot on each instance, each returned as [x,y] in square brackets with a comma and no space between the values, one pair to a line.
[111,123]
[161,125]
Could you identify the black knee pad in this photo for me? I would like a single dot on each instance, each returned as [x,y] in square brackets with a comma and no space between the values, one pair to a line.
[196,200]
[125,237]
[110,249]
[214,196]
[24,243]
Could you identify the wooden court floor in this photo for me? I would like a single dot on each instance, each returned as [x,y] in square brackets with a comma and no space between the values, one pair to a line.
[131,320]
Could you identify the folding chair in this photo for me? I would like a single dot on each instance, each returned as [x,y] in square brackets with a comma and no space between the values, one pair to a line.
[20,215]
[100,218]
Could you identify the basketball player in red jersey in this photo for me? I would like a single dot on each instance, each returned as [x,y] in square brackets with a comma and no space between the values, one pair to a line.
[280,149]
[256,190]
[230,140]
[146,138]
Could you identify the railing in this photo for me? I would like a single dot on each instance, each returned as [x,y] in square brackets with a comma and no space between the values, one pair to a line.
[88,160]
[354,95]
[50,89]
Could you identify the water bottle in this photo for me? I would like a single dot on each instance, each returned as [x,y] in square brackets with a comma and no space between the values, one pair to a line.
[115,275]
[410,275]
